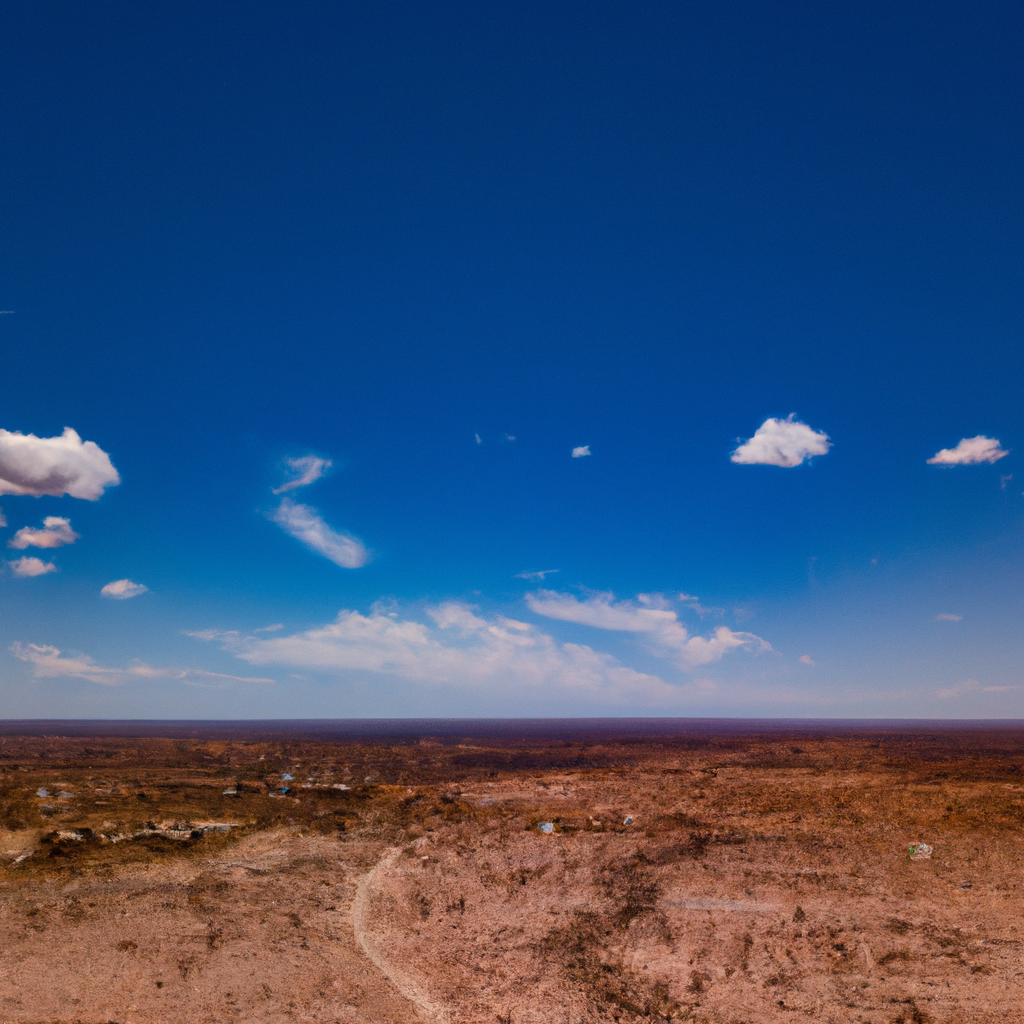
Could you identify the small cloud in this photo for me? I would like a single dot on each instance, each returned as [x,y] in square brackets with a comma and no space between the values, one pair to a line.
[305,471]
[3,520]
[539,575]
[30,566]
[969,452]
[121,590]
[805,659]
[1004,480]
[270,629]
[510,437]
[56,532]
[784,443]
[947,617]
[54,465]
[304,524]
[478,439]
[581,452]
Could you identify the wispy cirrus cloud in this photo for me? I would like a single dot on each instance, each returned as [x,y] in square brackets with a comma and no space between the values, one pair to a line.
[306,525]
[54,465]
[49,663]
[452,646]
[31,566]
[3,519]
[651,616]
[970,452]
[56,532]
[947,617]
[785,443]
[538,574]
[122,590]
[304,471]
[971,686]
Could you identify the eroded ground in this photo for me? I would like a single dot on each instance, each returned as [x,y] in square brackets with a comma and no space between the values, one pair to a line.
[719,879]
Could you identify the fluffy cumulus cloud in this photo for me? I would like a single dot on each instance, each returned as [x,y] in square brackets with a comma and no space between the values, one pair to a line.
[31,566]
[452,645]
[121,590]
[969,452]
[304,524]
[56,532]
[54,465]
[49,663]
[651,616]
[581,452]
[303,472]
[785,443]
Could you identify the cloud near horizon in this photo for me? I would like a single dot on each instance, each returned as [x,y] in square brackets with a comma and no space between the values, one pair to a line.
[56,532]
[121,590]
[31,566]
[454,647]
[305,471]
[304,524]
[48,663]
[55,466]
[970,452]
[785,443]
[653,617]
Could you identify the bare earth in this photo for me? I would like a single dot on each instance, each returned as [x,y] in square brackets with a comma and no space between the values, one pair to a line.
[758,879]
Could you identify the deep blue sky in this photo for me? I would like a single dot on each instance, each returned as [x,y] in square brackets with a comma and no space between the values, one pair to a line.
[233,234]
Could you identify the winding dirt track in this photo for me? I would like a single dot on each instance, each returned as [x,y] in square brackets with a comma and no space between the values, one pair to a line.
[403,983]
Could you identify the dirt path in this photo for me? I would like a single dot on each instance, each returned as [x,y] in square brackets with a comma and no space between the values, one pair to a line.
[403,983]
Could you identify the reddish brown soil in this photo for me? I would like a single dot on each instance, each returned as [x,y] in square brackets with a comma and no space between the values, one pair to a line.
[760,879]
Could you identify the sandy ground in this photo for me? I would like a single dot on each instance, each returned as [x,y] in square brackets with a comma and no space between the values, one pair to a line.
[263,934]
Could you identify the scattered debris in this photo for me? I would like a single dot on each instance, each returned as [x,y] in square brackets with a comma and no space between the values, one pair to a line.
[42,792]
[628,820]
[339,785]
[546,827]
[966,885]
[230,792]
[287,778]
[920,851]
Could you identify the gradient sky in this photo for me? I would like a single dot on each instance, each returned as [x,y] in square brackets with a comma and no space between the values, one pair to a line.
[377,313]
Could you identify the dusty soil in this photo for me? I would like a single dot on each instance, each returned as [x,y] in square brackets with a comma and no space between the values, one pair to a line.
[740,880]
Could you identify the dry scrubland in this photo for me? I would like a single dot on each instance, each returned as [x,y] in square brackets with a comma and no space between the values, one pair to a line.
[762,879]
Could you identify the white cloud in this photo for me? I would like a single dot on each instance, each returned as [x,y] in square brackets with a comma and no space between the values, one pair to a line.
[305,471]
[651,616]
[479,440]
[273,628]
[54,465]
[581,452]
[947,617]
[121,590]
[457,647]
[3,519]
[782,443]
[31,566]
[805,659]
[47,663]
[538,575]
[969,452]
[971,686]
[56,532]
[305,524]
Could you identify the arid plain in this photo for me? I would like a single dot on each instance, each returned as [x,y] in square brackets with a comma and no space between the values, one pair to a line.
[701,875]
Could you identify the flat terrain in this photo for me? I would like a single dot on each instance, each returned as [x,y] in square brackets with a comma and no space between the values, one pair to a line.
[701,876]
